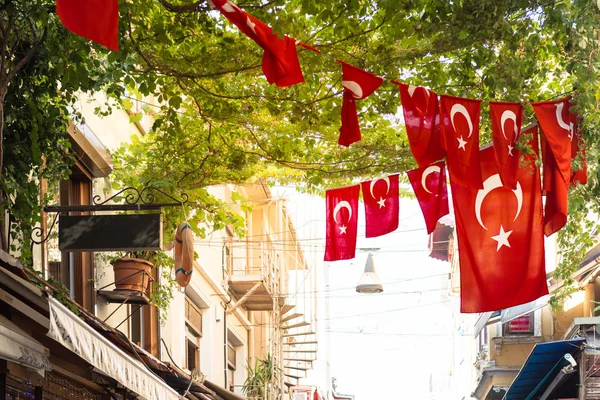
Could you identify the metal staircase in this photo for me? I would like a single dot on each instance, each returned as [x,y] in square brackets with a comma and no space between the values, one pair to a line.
[299,347]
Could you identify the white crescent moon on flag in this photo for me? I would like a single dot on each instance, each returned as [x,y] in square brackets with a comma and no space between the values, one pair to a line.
[460,109]
[429,170]
[509,115]
[339,206]
[412,89]
[561,121]
[374,181]
[354,88]
[491,183]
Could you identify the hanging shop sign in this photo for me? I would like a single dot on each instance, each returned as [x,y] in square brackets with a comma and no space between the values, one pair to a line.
[129,232]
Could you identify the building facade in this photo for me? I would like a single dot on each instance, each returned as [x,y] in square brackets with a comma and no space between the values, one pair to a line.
[245,308]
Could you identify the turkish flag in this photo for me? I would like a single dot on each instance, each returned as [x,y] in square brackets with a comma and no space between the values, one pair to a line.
[97,20]
[460,128]
[342,221]
[558,126]
[431,190]
[382,205]
[500,238]
[358,84]
[280,60]
[422,120]
[578,150]
[506,127]
[556,191]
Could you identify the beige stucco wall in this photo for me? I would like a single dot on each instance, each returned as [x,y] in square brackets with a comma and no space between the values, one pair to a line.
[503,380]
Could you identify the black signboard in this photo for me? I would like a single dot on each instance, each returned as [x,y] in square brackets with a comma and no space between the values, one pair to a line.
[128,232]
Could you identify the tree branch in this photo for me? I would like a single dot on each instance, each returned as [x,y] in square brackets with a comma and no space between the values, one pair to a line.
[186,8]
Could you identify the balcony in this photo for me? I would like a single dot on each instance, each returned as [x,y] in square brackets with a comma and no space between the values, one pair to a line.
[252,274]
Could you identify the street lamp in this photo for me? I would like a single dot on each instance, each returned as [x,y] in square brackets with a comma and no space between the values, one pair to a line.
[369,282]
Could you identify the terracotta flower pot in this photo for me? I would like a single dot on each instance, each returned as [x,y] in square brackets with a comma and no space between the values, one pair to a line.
[124,267]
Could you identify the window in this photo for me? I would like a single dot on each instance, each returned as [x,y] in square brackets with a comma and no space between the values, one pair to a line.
[231,356]
[520,325]
[231,366]
[193,333]
[74,270]
[483,337]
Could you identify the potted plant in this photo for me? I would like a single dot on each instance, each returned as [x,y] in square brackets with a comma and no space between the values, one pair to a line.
[127,267]
[132,271]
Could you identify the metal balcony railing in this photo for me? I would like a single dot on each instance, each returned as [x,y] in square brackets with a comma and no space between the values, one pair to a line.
[260,260]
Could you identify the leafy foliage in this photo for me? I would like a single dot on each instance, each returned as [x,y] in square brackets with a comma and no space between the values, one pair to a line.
[218,121]
[259,378]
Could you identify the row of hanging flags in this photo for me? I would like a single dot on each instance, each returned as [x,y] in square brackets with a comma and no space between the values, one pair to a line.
[497,193]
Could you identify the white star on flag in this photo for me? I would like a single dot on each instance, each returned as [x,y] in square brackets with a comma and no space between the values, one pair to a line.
[502,238]
[343,229]
[381,202]
[251,25]
[510,149]
[461,143]
[228,7]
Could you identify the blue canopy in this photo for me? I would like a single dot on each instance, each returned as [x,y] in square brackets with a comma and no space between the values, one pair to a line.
[542,362]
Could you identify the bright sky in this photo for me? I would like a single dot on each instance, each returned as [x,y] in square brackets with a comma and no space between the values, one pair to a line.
[385,345]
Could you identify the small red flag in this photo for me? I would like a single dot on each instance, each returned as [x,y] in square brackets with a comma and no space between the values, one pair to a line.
[506,128]
[382,205]
[500,238]
[358,84]
[556,191]
[422,120]
[558,126]
[431,190]
[97,20]
[342,222]
[460,128]
[577,147]
[280,60]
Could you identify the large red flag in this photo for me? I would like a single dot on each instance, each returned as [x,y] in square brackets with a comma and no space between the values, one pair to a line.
[422,120]
[506,128]
[460,128]
[97,20]
[358,85]
[500,239]
[342,222]
[382,205]
[280,60]
[430,187]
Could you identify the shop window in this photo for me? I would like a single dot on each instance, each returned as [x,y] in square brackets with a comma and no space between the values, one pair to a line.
[522,325]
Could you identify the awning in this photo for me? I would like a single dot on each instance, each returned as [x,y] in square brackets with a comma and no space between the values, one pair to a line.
[74,334]
[508,314]
[484,319]
[545,359]
[18,347]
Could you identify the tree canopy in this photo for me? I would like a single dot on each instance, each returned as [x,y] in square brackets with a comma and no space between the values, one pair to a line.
[219,121]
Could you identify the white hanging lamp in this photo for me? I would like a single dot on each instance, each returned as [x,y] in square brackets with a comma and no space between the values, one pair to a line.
[369,282]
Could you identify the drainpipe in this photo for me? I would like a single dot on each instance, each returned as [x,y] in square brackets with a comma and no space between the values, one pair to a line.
[225,346]
[225,305]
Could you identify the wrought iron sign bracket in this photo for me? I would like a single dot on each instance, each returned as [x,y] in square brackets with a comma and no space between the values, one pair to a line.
[135,200]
